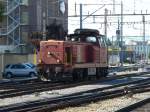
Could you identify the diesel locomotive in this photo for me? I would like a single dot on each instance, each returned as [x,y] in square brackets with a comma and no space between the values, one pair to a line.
[80,55]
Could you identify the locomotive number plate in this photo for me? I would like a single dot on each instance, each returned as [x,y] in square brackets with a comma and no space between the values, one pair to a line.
[91,71]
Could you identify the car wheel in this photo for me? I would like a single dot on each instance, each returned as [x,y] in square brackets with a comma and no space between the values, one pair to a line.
[9,75]
[32,74]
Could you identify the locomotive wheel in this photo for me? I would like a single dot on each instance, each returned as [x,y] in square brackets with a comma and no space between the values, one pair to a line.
[52,76]
[59,76]
[104,72]
[80,74]
[74,75]
[43,76]
[98,73]
[85,74]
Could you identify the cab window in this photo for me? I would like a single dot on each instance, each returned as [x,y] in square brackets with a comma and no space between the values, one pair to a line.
[102,41]
[91,39]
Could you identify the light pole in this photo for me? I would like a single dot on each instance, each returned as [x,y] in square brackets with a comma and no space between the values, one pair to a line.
[44,25]
[121,33]
[105,22]
[144,46]
[81,16]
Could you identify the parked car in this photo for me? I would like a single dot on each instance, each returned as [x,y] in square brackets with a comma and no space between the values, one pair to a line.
[19,70]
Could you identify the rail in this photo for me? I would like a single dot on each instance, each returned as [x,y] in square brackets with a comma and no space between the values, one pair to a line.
[74,99]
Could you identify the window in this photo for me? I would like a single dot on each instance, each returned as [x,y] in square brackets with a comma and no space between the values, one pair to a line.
[18,66]
[51,8]
[24,18]
[102,41]
[14,67]
[62,6]
[24,2]
[21,66]
[24,35]
[91,39]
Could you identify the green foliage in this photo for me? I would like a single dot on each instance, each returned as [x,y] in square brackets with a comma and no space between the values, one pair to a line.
[1,11]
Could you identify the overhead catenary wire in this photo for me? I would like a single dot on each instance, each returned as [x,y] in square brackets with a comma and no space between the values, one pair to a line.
[130,18]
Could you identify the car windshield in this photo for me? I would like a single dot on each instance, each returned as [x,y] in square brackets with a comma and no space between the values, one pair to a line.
[30,65]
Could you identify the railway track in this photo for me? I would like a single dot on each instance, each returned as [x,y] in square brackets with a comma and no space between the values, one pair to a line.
[26,81]
[50,104]
[14,82]
[135,106]
[23,81]
[14,90]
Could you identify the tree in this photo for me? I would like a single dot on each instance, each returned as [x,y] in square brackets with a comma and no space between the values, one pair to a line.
[1,11]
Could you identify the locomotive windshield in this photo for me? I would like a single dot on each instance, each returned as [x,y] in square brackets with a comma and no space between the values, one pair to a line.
[91,39]
[102,41]
[84,38]
[84,35]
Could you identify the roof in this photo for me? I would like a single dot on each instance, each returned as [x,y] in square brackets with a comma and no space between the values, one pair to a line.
[87,31]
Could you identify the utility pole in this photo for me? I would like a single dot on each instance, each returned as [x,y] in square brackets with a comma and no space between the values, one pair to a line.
[81,16]
[121,33]
[114,8]
[134,6]
[105,22]
[118,39]
[44,25]
[47,11]
[75,8]
[144,49]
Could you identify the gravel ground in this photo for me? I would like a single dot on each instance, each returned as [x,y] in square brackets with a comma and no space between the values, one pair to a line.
[61,92]
[49,94]
[56,93]
[110,105]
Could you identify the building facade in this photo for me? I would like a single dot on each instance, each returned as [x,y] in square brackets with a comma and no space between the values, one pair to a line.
[142,50]
[23,17]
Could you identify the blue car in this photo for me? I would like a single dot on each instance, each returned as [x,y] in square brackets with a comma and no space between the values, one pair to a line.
[19,70]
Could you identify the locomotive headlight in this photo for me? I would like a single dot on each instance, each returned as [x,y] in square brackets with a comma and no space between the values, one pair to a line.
[58,61]
[49,53]
[40,61]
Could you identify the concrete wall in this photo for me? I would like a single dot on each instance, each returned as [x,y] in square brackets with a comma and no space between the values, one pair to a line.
[14,58]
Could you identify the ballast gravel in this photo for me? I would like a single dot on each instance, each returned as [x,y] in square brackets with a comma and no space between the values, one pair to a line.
[61,92]
[110,105]
[57,93]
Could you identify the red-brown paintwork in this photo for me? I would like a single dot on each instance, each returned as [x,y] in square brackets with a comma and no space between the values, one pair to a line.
[81,54]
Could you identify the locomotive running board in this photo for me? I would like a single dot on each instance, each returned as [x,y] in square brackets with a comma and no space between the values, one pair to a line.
[89,65]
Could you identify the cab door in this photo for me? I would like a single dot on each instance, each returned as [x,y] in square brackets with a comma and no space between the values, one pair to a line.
[93,49]
[68,55]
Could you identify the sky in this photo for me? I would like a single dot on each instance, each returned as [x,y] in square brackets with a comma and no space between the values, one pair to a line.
[132,27]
